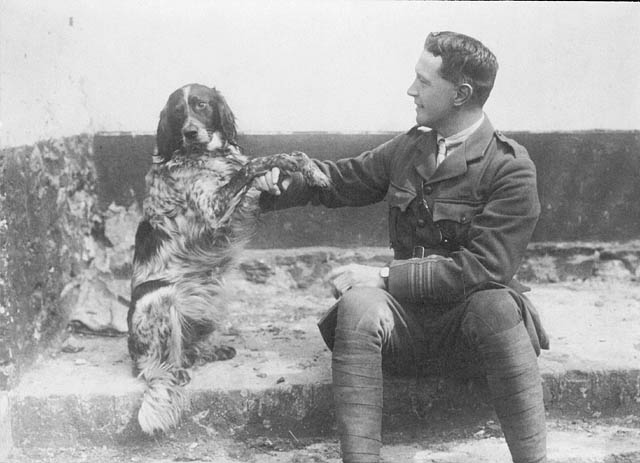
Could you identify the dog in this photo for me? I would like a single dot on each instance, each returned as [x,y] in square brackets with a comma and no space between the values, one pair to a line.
[198,213]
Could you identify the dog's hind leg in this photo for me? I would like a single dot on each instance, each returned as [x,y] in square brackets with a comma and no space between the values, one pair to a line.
[209,349]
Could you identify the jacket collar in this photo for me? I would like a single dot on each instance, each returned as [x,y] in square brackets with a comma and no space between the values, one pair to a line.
[455,164]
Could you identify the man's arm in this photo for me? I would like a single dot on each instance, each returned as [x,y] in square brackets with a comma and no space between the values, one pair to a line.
[357,181]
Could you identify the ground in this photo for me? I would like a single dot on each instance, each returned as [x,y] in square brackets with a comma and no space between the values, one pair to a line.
[583,441]
[594,325]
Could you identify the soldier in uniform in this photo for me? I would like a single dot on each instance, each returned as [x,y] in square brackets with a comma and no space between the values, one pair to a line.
[463,205]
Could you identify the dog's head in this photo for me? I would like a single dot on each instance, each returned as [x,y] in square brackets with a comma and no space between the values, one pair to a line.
[195,116]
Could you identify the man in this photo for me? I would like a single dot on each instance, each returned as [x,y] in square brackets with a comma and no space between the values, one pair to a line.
[462,207]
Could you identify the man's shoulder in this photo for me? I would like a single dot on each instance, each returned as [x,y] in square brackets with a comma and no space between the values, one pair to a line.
[510,146]
[509,156]
[416,134]
[403,142]
[417,130]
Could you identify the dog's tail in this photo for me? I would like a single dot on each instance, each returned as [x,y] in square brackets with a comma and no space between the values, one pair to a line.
[162,325]
[164,400]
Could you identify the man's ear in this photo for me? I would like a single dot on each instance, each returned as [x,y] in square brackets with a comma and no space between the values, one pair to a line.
[464,93]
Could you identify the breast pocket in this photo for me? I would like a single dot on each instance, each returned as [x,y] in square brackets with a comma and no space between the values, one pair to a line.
[454,219]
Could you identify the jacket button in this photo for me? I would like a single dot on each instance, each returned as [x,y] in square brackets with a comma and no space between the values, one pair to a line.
[428,189]
[421,223]
[463,219]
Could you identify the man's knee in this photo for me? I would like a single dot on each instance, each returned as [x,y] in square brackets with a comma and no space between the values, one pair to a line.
[365,310]
[490,312]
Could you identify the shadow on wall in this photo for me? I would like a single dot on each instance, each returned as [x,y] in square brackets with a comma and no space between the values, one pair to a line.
[587,182]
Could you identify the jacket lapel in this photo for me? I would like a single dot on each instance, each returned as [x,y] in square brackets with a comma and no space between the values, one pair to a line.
[455,164]
[425,162]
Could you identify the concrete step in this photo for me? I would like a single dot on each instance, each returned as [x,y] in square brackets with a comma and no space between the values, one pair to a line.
[578,441]
[280,380]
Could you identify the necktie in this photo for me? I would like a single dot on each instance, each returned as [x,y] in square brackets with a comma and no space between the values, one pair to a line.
[442,151]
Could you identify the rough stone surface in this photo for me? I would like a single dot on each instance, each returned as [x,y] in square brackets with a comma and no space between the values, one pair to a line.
[59,251]
[6,439]
[47,204]
[91,302]
[584,441]
[280,379]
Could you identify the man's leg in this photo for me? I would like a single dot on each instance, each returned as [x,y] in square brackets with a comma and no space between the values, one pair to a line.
[493,325]
[370,324]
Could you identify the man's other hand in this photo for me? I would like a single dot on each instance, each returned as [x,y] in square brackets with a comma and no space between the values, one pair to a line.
[268,182]
[347,276]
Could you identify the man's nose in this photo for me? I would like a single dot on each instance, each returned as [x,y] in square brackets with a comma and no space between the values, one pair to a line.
[411,91]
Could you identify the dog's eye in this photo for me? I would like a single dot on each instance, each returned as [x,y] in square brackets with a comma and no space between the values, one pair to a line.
[201,105]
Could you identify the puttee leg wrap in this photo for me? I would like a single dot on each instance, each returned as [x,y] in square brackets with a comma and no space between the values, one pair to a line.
[516,392]
[357,388]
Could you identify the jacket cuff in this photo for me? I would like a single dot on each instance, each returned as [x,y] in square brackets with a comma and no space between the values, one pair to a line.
[430,279]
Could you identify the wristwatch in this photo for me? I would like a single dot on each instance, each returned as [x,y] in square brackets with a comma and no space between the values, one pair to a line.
[384,274]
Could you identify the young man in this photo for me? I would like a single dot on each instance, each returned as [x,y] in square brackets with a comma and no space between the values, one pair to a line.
[463,204]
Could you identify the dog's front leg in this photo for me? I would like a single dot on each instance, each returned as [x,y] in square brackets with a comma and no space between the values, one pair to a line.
[227,198]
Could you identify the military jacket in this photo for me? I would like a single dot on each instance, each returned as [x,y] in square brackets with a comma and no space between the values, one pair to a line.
[454,229]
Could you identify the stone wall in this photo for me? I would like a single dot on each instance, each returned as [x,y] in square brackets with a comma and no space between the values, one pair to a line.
[587,183]
[47,212]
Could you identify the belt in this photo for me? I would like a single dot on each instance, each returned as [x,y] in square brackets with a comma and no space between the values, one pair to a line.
[420,252]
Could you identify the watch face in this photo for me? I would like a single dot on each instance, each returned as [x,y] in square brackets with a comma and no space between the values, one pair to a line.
[384,272]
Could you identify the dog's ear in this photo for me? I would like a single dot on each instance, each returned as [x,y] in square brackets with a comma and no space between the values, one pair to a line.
[166,139]
[226,117]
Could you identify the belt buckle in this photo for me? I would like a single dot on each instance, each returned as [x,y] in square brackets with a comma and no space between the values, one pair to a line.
[418,252]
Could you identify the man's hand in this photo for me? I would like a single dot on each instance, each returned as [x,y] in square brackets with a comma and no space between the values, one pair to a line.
[269,182]
[347,276]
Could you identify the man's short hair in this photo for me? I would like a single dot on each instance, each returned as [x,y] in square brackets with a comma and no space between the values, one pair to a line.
[465,60]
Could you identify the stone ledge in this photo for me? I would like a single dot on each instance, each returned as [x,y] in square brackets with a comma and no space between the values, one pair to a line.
[280,379]
[6,438]
[543,262]
[107,419]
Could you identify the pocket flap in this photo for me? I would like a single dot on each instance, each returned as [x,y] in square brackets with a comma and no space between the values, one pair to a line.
[456,212]
[400,197]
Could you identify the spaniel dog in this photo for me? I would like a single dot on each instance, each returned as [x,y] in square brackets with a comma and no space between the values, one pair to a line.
[198,214]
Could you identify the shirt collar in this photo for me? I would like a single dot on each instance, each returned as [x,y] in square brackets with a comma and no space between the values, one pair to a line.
[461,136]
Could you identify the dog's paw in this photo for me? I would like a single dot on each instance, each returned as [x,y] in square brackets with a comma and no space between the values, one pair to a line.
[312,174]
[315,177]
[214,353]
[223,353]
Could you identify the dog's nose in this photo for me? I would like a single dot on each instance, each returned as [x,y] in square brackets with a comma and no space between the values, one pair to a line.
[190,131]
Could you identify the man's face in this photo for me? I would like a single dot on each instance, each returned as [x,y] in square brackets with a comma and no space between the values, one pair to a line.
[432,94]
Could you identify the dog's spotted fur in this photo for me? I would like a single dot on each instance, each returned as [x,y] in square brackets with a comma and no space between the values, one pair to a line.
[198,213]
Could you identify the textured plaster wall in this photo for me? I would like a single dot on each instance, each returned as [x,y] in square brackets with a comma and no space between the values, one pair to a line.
[76,66]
